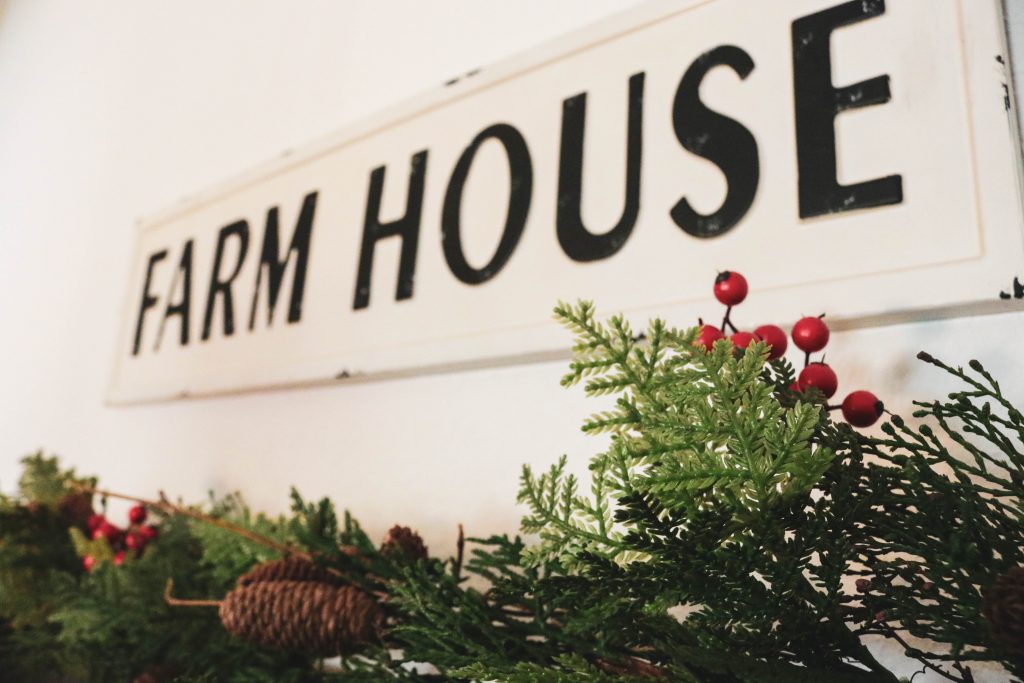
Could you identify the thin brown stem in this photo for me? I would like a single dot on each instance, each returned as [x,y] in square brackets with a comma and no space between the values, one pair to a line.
[169,508]
[178,602]
[727,321]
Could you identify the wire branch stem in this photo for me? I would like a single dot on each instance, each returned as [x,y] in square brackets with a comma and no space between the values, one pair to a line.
[167,507]
[179,602]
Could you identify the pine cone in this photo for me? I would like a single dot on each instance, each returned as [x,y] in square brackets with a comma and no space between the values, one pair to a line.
[289,569]
[1003,607]
[405,541]
[307,616]
[76,508]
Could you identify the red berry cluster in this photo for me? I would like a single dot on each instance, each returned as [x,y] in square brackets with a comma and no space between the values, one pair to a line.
[122,541]
[810,335]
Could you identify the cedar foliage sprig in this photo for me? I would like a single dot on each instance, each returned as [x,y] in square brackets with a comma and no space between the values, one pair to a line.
[948,519]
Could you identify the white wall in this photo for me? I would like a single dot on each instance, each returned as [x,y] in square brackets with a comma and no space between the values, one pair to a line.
[109,111]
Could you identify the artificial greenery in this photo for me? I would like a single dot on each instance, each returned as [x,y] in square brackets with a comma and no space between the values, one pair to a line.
[731,531]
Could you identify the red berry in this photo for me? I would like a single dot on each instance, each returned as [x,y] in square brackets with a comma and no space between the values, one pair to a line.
[88,562]
[741,340]
[148,532]
[821,377]
[119,558]
[137,515]
[108,531]
[730,288]
[863,585]
[880,616]
[810,334]
[928,586]
[134,541]
[862,408]
[95,520]
[709,334]
[774,337]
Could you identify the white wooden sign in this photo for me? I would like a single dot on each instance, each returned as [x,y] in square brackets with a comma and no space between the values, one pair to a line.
[854,157]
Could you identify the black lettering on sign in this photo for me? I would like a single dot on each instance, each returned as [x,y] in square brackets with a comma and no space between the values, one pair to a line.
[275,266]
[407,228]
[221,287]
[183,308]
[817,105]
[520,192]
[719,139]
[148,300]
[577,242]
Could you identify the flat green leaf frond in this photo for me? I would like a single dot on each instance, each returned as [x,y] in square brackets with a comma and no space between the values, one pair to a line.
[569,524]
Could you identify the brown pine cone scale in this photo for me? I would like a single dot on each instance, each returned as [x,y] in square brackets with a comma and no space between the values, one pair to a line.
[401,540]
[306,616]
[76,508]
[289,569]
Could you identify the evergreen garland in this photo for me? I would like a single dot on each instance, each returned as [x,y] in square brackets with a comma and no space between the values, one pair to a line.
[730,532]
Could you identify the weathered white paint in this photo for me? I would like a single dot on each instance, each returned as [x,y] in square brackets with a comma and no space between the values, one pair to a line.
[948,247]
[111,109]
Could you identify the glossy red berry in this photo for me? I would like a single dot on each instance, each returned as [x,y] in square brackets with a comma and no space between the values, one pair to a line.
[134,540]
[862,409]
[148,532]
[137,515]
[709,334]
[88,562]
[730,288]
[119,558]
[810,334]
[108,531]
[95,520]
[821,377]
[741,340]
[773,336]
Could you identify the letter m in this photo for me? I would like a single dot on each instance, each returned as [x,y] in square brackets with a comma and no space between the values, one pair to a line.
[272,266]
